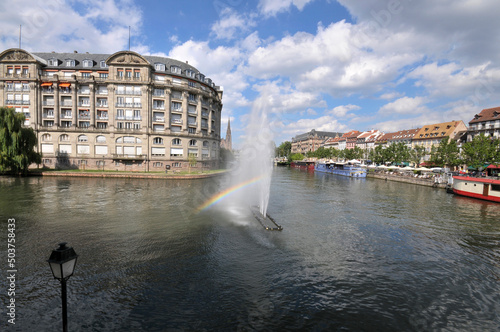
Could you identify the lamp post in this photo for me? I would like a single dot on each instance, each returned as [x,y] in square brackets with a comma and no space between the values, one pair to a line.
[62,262]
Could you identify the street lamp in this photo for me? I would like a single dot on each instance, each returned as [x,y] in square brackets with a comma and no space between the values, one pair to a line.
[62,262]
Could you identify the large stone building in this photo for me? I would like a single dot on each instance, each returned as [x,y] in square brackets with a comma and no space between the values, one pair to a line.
[311,141]
[121,111]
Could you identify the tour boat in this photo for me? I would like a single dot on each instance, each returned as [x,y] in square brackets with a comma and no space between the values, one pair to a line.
[486,188]
[304,165]
[345,169]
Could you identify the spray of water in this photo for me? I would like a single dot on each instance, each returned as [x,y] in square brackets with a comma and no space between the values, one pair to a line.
[256,158]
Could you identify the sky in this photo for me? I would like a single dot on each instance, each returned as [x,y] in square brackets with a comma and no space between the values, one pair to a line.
[329,65]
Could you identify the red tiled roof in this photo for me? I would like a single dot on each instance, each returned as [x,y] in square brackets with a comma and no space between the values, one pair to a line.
[488,114]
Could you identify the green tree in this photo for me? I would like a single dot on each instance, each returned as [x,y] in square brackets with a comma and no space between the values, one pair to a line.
[397,153]
[446,153]
[416,154]
[16,143]
[284,149]
[481,150]
[296,156]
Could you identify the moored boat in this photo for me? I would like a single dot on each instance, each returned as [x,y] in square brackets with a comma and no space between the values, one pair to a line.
[345,169]
[486,188]
[304,165]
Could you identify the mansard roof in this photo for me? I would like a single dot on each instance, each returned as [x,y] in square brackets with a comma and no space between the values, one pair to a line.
[487,114]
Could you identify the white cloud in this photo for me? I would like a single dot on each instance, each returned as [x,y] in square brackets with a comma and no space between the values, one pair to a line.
[231,24]
[91,26]
[282,98]
[273,7]
[341,111]
[405,105]
[323,123]
[453,80]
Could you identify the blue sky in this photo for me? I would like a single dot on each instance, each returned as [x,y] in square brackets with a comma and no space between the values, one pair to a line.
[312,64]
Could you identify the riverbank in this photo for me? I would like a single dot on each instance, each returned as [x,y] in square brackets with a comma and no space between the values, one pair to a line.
[428,182]
[129,175]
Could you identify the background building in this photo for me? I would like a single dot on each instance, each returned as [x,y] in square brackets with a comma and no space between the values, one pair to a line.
[311,141]
[487,122]
[120,111]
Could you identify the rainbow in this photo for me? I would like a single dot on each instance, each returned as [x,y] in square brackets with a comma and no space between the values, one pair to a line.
[218,197]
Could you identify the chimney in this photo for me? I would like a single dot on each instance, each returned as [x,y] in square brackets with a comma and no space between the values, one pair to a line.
[75,51]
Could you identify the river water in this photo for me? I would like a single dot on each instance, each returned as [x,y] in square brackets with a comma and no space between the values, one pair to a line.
[354,255]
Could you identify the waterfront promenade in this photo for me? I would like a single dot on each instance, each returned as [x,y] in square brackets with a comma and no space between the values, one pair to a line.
[133,175]
[426,180]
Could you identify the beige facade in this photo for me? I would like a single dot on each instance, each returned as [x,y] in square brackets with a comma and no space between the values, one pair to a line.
[122,111]
[431,135]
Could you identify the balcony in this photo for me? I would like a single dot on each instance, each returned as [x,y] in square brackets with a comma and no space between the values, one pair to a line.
[48,115]
[176,121]
[204,114]
[66,116]
[84,104]
[128,156]
[47,103]
[102,105]
[158,119]
[66,103]
[47,90]
[129,105]
[130,93]
[84,92]
[102,117]
[128,118]
[125,78]
[158,107]
[17,75]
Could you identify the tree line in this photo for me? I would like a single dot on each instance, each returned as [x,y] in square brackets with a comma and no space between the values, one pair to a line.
[476,153]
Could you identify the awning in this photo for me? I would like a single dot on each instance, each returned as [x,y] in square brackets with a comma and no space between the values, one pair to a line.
[47,84]
[85,71]
[102,72]
[64,85]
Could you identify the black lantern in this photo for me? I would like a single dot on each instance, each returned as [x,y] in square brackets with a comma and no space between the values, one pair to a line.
[62,262]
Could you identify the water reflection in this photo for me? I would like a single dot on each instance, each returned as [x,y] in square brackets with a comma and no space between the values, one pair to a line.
[355,255]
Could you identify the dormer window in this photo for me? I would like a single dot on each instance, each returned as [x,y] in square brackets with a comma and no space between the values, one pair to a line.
[443,133]
[53,62]
[70,63]
[103,64]
[436,128]
[159,67]
[175,69]
[190,73]
[426,129]
[495,114]
[88,63]
[201,77]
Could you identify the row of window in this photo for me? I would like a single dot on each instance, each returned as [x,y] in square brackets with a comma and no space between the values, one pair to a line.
[72,63]
[123,139]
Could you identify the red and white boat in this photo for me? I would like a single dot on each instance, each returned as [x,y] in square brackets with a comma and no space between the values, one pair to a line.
[486,188]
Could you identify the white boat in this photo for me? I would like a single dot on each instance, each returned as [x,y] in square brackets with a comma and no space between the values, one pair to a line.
[486,188]
[345,169]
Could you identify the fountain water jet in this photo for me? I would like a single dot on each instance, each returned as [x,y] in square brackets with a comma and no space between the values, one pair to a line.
[256,162]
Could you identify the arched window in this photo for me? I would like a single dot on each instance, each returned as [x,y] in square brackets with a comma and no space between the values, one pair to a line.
[158,140]
[205,144]
[192,142]
[83,138]
[176,141]
[100,139]
[64,138]
[46,137]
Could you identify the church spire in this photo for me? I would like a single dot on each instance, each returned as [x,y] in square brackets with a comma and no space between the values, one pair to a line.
[227,142]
